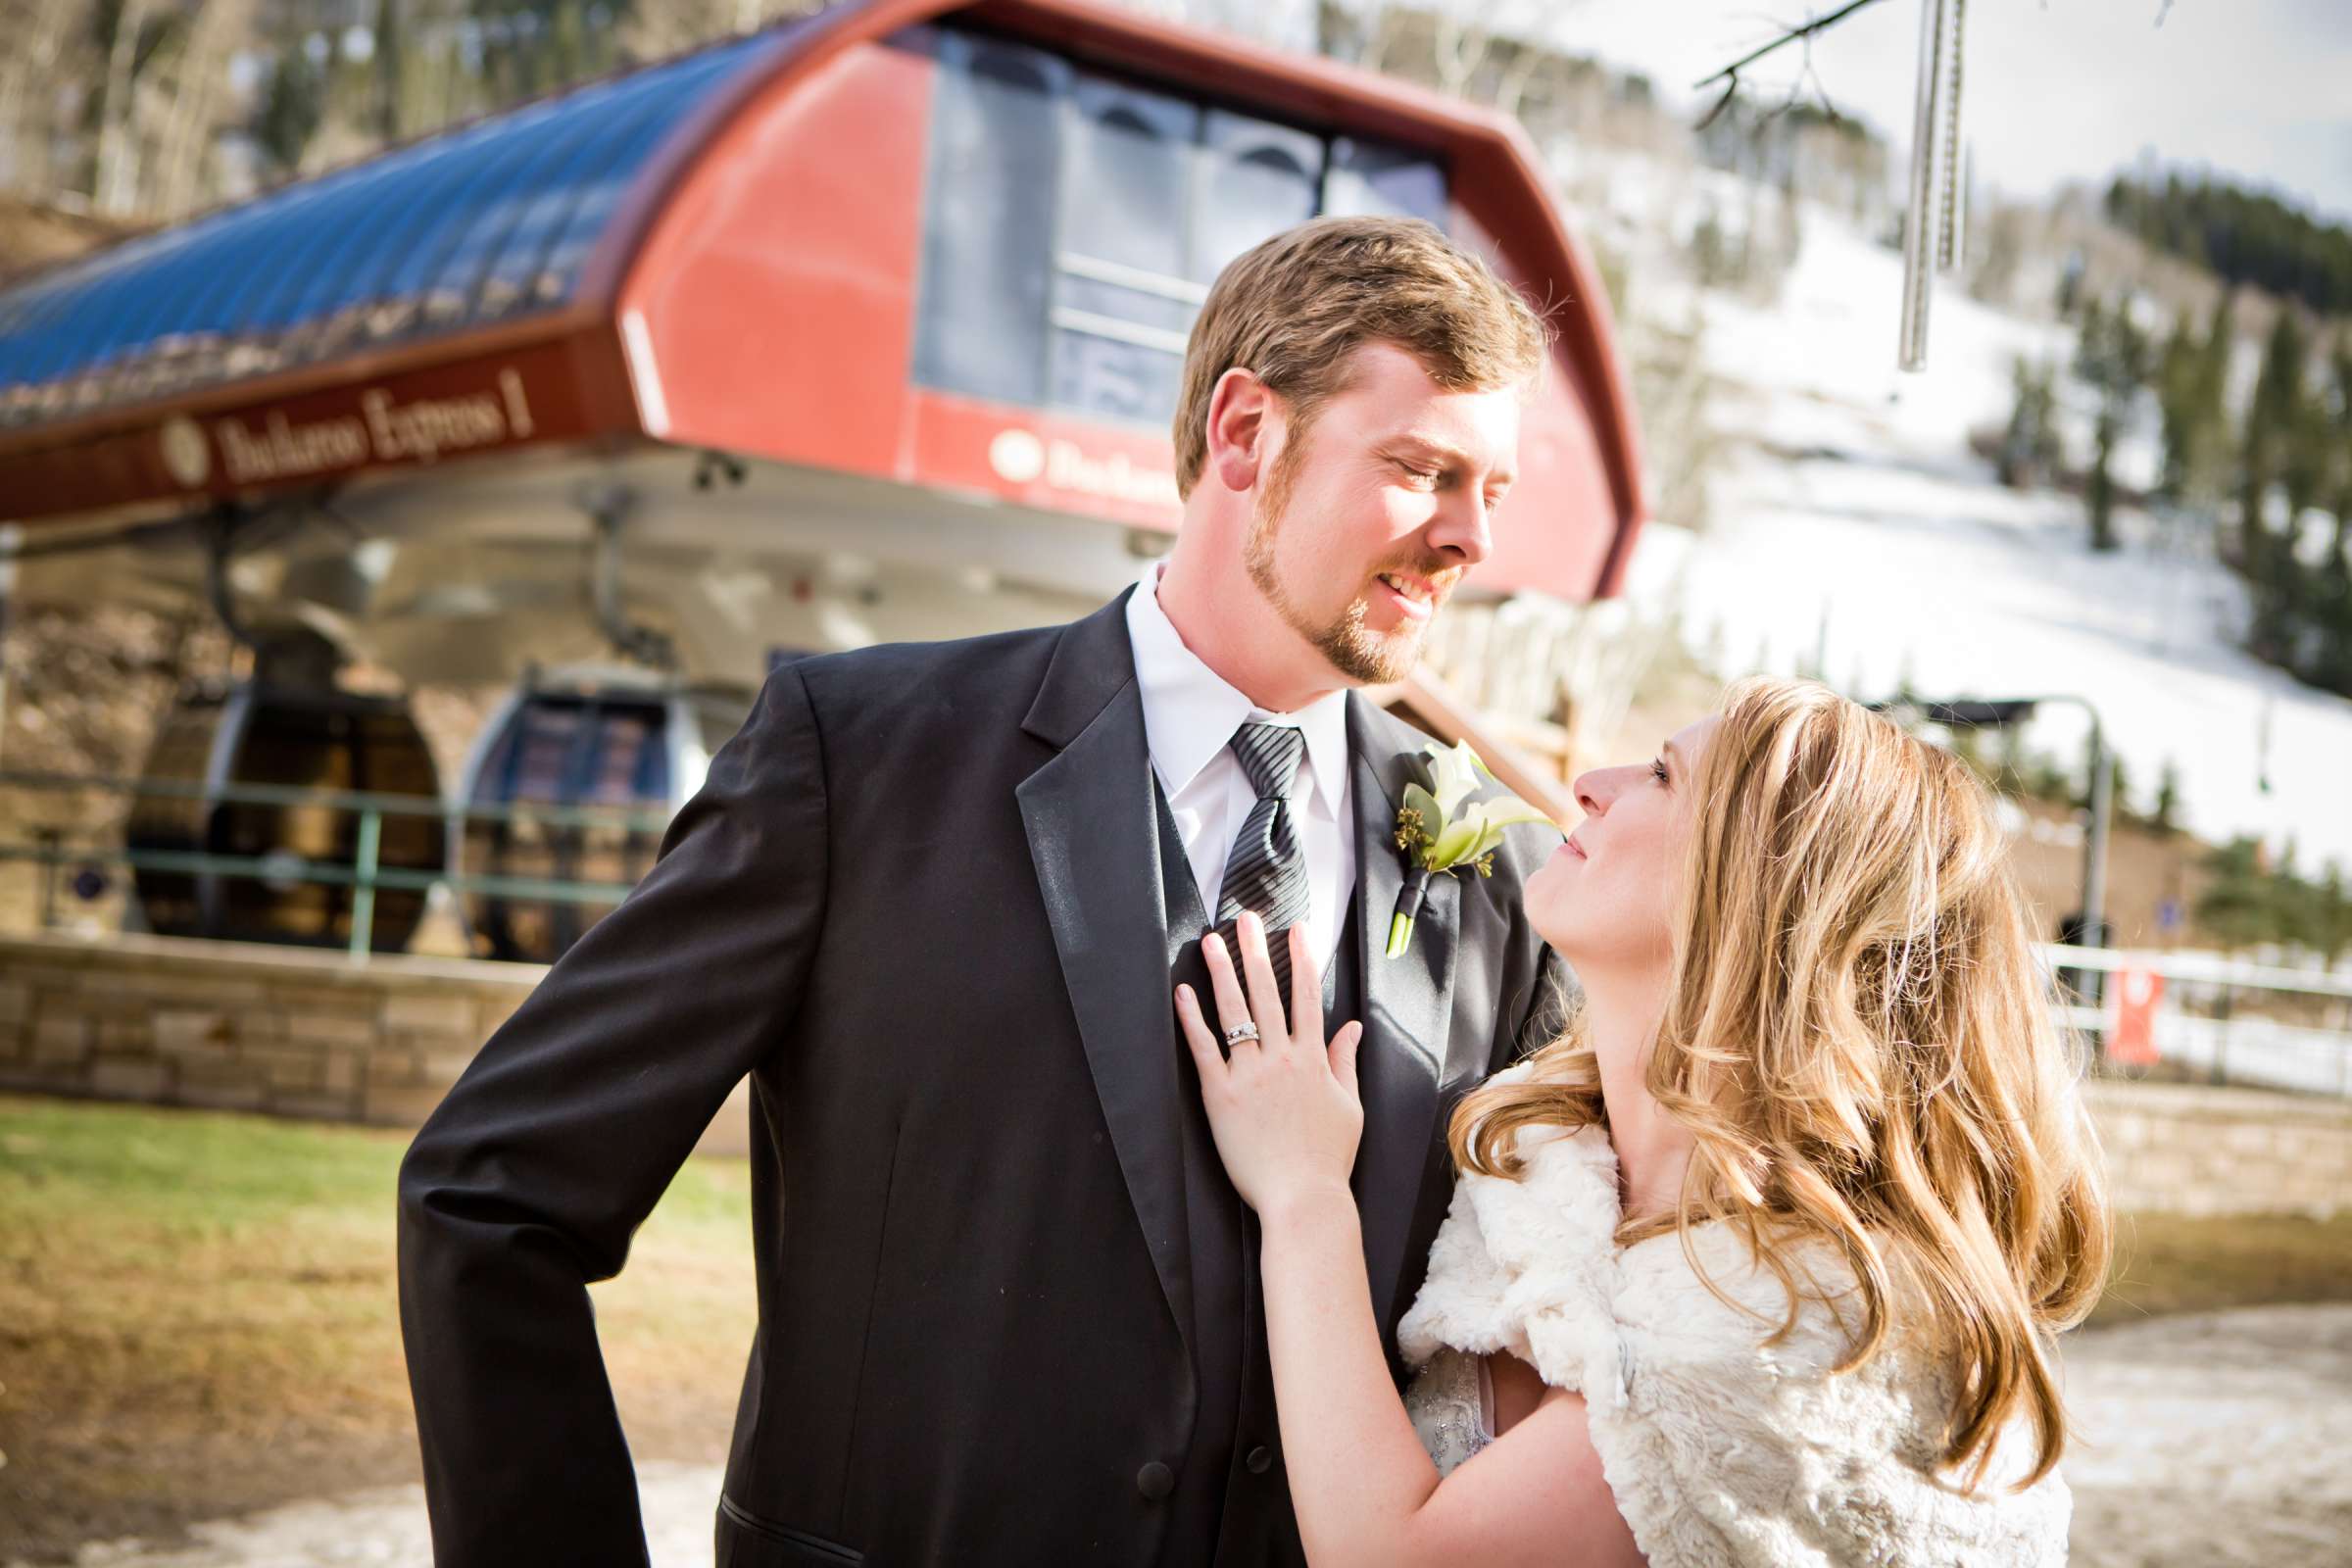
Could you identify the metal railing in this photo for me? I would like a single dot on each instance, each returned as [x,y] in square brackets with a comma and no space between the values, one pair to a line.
[2222,1020]
[366,875]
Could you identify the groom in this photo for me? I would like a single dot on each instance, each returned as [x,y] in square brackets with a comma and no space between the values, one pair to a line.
[934,899]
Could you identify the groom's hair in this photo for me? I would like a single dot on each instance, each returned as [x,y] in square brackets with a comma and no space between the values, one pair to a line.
[1295,310]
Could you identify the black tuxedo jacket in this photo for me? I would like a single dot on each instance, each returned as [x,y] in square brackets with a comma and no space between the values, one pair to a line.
[920,902]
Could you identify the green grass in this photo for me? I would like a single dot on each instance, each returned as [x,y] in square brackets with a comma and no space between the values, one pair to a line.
[198,1316]
[185,1174]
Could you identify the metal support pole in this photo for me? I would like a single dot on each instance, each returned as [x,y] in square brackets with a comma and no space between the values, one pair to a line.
[2344,1053]
[1949,154]
[1921,207]
[2094,853]
[2221,1037]
[363,898]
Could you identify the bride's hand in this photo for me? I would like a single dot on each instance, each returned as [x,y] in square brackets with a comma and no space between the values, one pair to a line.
[1284,1108]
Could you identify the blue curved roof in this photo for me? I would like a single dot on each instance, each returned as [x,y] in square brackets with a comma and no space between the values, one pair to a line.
[491,221]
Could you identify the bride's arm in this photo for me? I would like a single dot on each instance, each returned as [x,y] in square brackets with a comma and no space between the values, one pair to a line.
[1365,1489]
[1287,1121]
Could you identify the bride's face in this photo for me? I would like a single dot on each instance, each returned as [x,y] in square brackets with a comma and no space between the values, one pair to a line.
[1606,899]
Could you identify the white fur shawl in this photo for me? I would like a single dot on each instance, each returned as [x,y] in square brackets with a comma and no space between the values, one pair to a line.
[1720,1449]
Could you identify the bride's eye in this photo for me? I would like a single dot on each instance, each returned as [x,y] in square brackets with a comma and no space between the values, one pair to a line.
[1658,769]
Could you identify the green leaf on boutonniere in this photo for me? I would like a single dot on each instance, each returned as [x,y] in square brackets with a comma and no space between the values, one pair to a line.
[1420,817]
[1438,834]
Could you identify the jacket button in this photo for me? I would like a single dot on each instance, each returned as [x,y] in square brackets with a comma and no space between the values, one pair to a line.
[1260,1460]
[1155,1481]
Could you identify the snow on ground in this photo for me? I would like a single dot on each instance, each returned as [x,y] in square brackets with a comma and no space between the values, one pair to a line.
[1854,520]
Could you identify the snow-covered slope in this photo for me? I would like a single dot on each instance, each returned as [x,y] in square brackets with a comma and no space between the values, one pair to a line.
[1853,520]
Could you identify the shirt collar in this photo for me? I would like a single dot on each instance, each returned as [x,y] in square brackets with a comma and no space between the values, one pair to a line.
[1190,712]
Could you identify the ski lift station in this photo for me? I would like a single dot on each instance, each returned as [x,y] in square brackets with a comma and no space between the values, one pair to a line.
[859,328]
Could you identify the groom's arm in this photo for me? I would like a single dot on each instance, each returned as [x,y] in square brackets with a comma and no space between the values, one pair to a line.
[531,1178]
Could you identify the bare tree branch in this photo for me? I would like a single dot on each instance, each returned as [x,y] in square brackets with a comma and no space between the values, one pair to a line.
[1730,91]
[1729,75]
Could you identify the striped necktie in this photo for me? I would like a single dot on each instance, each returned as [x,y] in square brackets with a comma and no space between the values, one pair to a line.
[1265,871]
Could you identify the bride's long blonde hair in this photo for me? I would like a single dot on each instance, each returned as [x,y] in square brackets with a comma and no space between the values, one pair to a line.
[1859,1038]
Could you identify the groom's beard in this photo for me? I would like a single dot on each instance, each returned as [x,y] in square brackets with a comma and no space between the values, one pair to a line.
[1368,656]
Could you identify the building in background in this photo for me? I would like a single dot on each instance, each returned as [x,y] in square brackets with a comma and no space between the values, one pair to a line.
[863,327]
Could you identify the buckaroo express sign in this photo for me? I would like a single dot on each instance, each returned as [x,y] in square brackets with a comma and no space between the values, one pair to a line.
[415,419]
[385,429]
[538,394]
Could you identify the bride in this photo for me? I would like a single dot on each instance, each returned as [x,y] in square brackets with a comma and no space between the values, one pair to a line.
[1759,1264]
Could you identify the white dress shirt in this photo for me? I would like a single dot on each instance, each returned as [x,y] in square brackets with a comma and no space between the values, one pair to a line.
[1190,714]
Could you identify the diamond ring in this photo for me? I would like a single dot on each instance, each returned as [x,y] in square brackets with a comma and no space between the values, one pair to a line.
[1239,1033]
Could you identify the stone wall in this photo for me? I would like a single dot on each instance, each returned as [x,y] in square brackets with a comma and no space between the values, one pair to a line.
[302,1032]
[234,1026]
[2178,1149]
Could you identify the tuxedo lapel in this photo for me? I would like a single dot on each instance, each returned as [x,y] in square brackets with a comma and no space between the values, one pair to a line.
[1095,840]
[1407,1001]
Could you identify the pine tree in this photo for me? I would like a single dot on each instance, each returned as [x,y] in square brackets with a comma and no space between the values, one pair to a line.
[2292,922]
[2191,380]
[2175,377]
[2029,450]
[2331,609]
[2110,355]
[2211,401]
[2237,908]
[2339,369]
[392,47]
[2166,817]
[2070,285]
[2331,916]
[293,104]
[2274,419]
[2242,237]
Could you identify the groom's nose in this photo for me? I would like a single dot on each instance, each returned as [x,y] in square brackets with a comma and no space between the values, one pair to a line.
[1464,528]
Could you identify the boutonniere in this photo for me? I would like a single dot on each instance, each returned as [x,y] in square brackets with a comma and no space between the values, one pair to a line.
[1435,840]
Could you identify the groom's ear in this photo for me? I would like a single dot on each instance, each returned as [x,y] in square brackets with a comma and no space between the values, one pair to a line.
[1242,417]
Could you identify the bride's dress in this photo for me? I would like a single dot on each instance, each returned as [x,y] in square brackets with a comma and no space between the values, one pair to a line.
[1726,1444]
[1451,1401]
